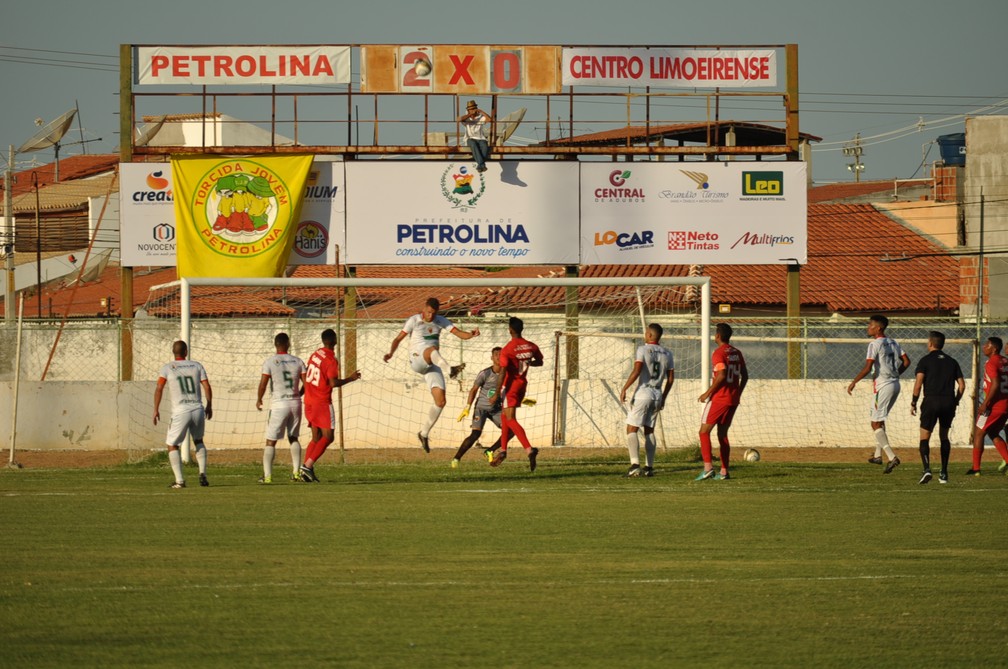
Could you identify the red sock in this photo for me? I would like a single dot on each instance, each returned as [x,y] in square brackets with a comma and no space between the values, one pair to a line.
[1001,447]
[505,429]
[725,451]
[977,454]
[519,432]
[706,451]
[309,454]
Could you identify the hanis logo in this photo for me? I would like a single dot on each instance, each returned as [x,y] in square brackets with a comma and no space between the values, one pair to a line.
[619,191]
[763,184]
[311,239]
[159,189]
[462,186]
[236,206]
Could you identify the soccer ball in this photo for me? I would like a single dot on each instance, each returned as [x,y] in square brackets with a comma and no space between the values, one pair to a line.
[752,455]
[422,67]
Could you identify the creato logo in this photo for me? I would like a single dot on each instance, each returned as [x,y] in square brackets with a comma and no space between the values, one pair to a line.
[311,239]
[236,205]
[159,191]
[156,181]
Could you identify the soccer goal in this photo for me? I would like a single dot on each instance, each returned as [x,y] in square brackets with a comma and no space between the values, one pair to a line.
[587,328]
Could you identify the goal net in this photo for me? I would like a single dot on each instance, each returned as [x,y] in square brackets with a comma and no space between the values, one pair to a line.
[587,328]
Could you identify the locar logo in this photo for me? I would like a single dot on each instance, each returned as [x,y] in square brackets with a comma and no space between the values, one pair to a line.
[763,184]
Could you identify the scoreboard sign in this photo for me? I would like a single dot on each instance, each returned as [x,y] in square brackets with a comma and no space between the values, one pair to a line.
[462,69]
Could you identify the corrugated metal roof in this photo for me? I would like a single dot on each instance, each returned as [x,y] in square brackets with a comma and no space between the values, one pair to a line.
[66,195]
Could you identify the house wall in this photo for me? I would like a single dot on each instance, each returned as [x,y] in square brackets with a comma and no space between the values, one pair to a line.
[986,157]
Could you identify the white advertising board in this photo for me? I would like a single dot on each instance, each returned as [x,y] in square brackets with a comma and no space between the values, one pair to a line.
[147,215]
[447,213]
[241,65]
[669,68]
[735,213]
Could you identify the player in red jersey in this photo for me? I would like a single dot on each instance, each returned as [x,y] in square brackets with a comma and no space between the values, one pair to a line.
[515,358]
[993,411]
[320,379]
[722,398]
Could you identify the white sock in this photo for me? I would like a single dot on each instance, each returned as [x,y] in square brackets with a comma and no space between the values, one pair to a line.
[438,359]
[432,415]
[268,454]
[201,457]
[650,446]
[296,455]
[882,441]
[175,460]
[633,445]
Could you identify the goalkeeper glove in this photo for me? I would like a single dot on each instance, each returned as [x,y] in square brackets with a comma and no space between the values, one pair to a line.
[529,402]
[465,412]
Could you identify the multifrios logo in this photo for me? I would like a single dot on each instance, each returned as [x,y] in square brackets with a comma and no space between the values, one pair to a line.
[311,239]
[618,191]
[159,189]
[763,239]
[762,185]
[236,206]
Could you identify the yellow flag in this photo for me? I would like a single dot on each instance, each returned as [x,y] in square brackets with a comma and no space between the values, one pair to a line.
[237,217]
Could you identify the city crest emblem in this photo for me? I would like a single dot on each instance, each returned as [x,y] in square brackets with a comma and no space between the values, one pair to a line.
[462,185]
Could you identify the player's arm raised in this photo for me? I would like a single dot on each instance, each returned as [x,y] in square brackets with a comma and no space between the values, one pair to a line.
[462,334]
[395,345]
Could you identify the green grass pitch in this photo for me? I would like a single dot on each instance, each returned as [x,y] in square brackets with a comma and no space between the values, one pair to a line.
[416,565]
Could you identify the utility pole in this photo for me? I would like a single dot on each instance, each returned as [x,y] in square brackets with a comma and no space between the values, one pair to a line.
[854,150]
[8,244]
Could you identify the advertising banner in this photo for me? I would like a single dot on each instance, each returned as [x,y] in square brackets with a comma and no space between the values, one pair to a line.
[237,217]
[292,65]
[448,213]
[669,68]
[147,221]
[735,213]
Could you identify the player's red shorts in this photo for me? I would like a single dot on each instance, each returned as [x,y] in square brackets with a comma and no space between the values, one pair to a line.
[718,413]
[994,422]
[515,393]
[320,414]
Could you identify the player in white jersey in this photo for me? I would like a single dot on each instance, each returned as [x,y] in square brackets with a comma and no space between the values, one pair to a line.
[886,360]
[424,330]
[284,374]
[653,364]
[185,378]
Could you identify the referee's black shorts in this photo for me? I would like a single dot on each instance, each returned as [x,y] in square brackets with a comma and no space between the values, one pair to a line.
[935,409]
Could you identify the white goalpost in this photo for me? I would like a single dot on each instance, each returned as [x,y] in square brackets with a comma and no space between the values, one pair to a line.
[587,328]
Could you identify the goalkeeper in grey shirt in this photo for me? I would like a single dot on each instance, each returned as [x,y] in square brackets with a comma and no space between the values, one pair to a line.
[483,391]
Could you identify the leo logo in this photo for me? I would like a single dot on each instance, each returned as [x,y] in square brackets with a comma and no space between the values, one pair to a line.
[763,184]
[236,206]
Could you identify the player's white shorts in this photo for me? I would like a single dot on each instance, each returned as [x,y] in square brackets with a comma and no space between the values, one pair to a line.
[644,409]
[284,420]
[190,422]
[885,398]
[432,373]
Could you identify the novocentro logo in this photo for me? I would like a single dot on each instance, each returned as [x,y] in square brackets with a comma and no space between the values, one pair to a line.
[160,189]
[618,191]
[763,184]
[163,232]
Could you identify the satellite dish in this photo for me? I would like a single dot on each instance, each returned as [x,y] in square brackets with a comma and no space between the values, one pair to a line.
[507,125]
[147,134]
[50,134]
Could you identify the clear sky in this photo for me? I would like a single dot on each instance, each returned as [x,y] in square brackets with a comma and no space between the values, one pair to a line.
[879,68]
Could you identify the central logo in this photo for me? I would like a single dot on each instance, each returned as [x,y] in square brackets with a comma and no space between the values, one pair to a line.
[236,206]
[462,186]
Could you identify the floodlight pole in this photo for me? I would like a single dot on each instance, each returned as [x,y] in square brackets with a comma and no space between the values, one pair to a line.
[9,237]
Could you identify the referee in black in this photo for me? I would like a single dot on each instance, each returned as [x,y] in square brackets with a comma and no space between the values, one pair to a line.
[943,383]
